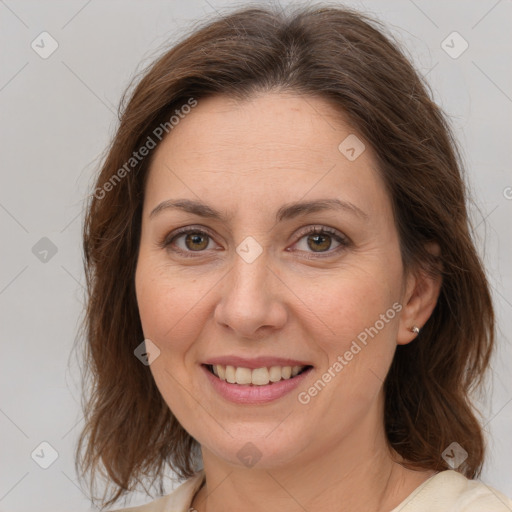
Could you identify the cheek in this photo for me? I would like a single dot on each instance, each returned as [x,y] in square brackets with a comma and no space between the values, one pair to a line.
[169,313]
[169,306]
[362,318]
[361,312]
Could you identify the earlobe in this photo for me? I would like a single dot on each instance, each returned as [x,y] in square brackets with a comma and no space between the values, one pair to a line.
[419,301]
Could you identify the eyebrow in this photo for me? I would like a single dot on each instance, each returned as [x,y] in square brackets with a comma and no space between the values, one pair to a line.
[286,212]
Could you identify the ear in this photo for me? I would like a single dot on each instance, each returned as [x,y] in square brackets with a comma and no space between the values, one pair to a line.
[419,300]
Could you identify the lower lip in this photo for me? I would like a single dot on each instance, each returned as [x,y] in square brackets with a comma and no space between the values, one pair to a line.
[249,394]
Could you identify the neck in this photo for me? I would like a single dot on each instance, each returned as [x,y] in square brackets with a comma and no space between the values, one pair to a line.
[357,473]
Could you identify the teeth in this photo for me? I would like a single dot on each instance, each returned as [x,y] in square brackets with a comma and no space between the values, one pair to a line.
[221,371]
[243,376]
[275,374]
[230,374]
[256,377]
[260,377]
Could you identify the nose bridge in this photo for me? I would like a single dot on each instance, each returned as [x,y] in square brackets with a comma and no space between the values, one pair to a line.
[250,267]
[249,297]
[250,276]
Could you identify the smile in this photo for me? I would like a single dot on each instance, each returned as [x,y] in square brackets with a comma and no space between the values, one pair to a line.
[257,376]
[254,386]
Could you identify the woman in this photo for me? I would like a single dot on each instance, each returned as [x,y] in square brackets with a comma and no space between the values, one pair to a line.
[285,304]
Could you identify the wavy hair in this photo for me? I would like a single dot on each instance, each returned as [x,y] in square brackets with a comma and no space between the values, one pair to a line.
[348,59]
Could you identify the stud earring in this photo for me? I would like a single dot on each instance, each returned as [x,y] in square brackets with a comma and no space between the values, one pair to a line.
[415,329]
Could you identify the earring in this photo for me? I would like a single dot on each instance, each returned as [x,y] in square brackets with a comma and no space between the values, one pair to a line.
[415,329]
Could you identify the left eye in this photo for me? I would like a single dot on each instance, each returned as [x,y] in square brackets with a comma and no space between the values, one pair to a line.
[319,240]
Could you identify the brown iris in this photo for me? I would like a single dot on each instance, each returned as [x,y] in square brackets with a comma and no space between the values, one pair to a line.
[196,241]
[321,242]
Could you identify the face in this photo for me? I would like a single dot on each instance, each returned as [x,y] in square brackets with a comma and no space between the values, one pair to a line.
[238,279]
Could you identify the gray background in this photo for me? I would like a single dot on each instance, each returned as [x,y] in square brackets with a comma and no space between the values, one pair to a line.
[57,116]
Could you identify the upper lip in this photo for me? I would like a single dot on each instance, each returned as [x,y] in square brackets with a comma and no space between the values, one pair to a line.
[256,362]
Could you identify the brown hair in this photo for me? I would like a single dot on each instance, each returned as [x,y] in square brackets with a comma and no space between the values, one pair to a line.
[344,57]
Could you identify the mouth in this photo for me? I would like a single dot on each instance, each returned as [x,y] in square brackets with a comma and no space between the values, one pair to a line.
[264,376]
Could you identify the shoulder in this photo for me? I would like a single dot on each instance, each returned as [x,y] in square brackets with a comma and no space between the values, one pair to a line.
[450,491]
[178,501]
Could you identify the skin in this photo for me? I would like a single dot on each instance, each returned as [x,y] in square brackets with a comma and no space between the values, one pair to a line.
[276,148]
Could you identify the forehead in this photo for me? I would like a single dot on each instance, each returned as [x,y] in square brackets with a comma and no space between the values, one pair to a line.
[266,124]
[274,144]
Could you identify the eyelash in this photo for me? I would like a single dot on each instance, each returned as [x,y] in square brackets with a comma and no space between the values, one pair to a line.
[315,230]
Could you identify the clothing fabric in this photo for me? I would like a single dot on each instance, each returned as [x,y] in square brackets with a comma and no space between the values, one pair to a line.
[447,491]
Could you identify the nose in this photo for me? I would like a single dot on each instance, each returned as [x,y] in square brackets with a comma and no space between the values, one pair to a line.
[251,303]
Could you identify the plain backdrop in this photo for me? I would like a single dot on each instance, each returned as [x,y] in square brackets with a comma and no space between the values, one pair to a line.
[57,116]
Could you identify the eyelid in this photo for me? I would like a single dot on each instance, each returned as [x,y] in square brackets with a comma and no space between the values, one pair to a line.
[187,229]
[320,228]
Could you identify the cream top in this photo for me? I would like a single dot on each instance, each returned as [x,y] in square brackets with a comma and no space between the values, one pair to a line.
[447,491]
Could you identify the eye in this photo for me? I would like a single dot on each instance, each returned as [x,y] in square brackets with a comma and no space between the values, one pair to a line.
[188,240]
[319,239]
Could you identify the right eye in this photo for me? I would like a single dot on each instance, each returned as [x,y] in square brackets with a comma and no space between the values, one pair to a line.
[188,240]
